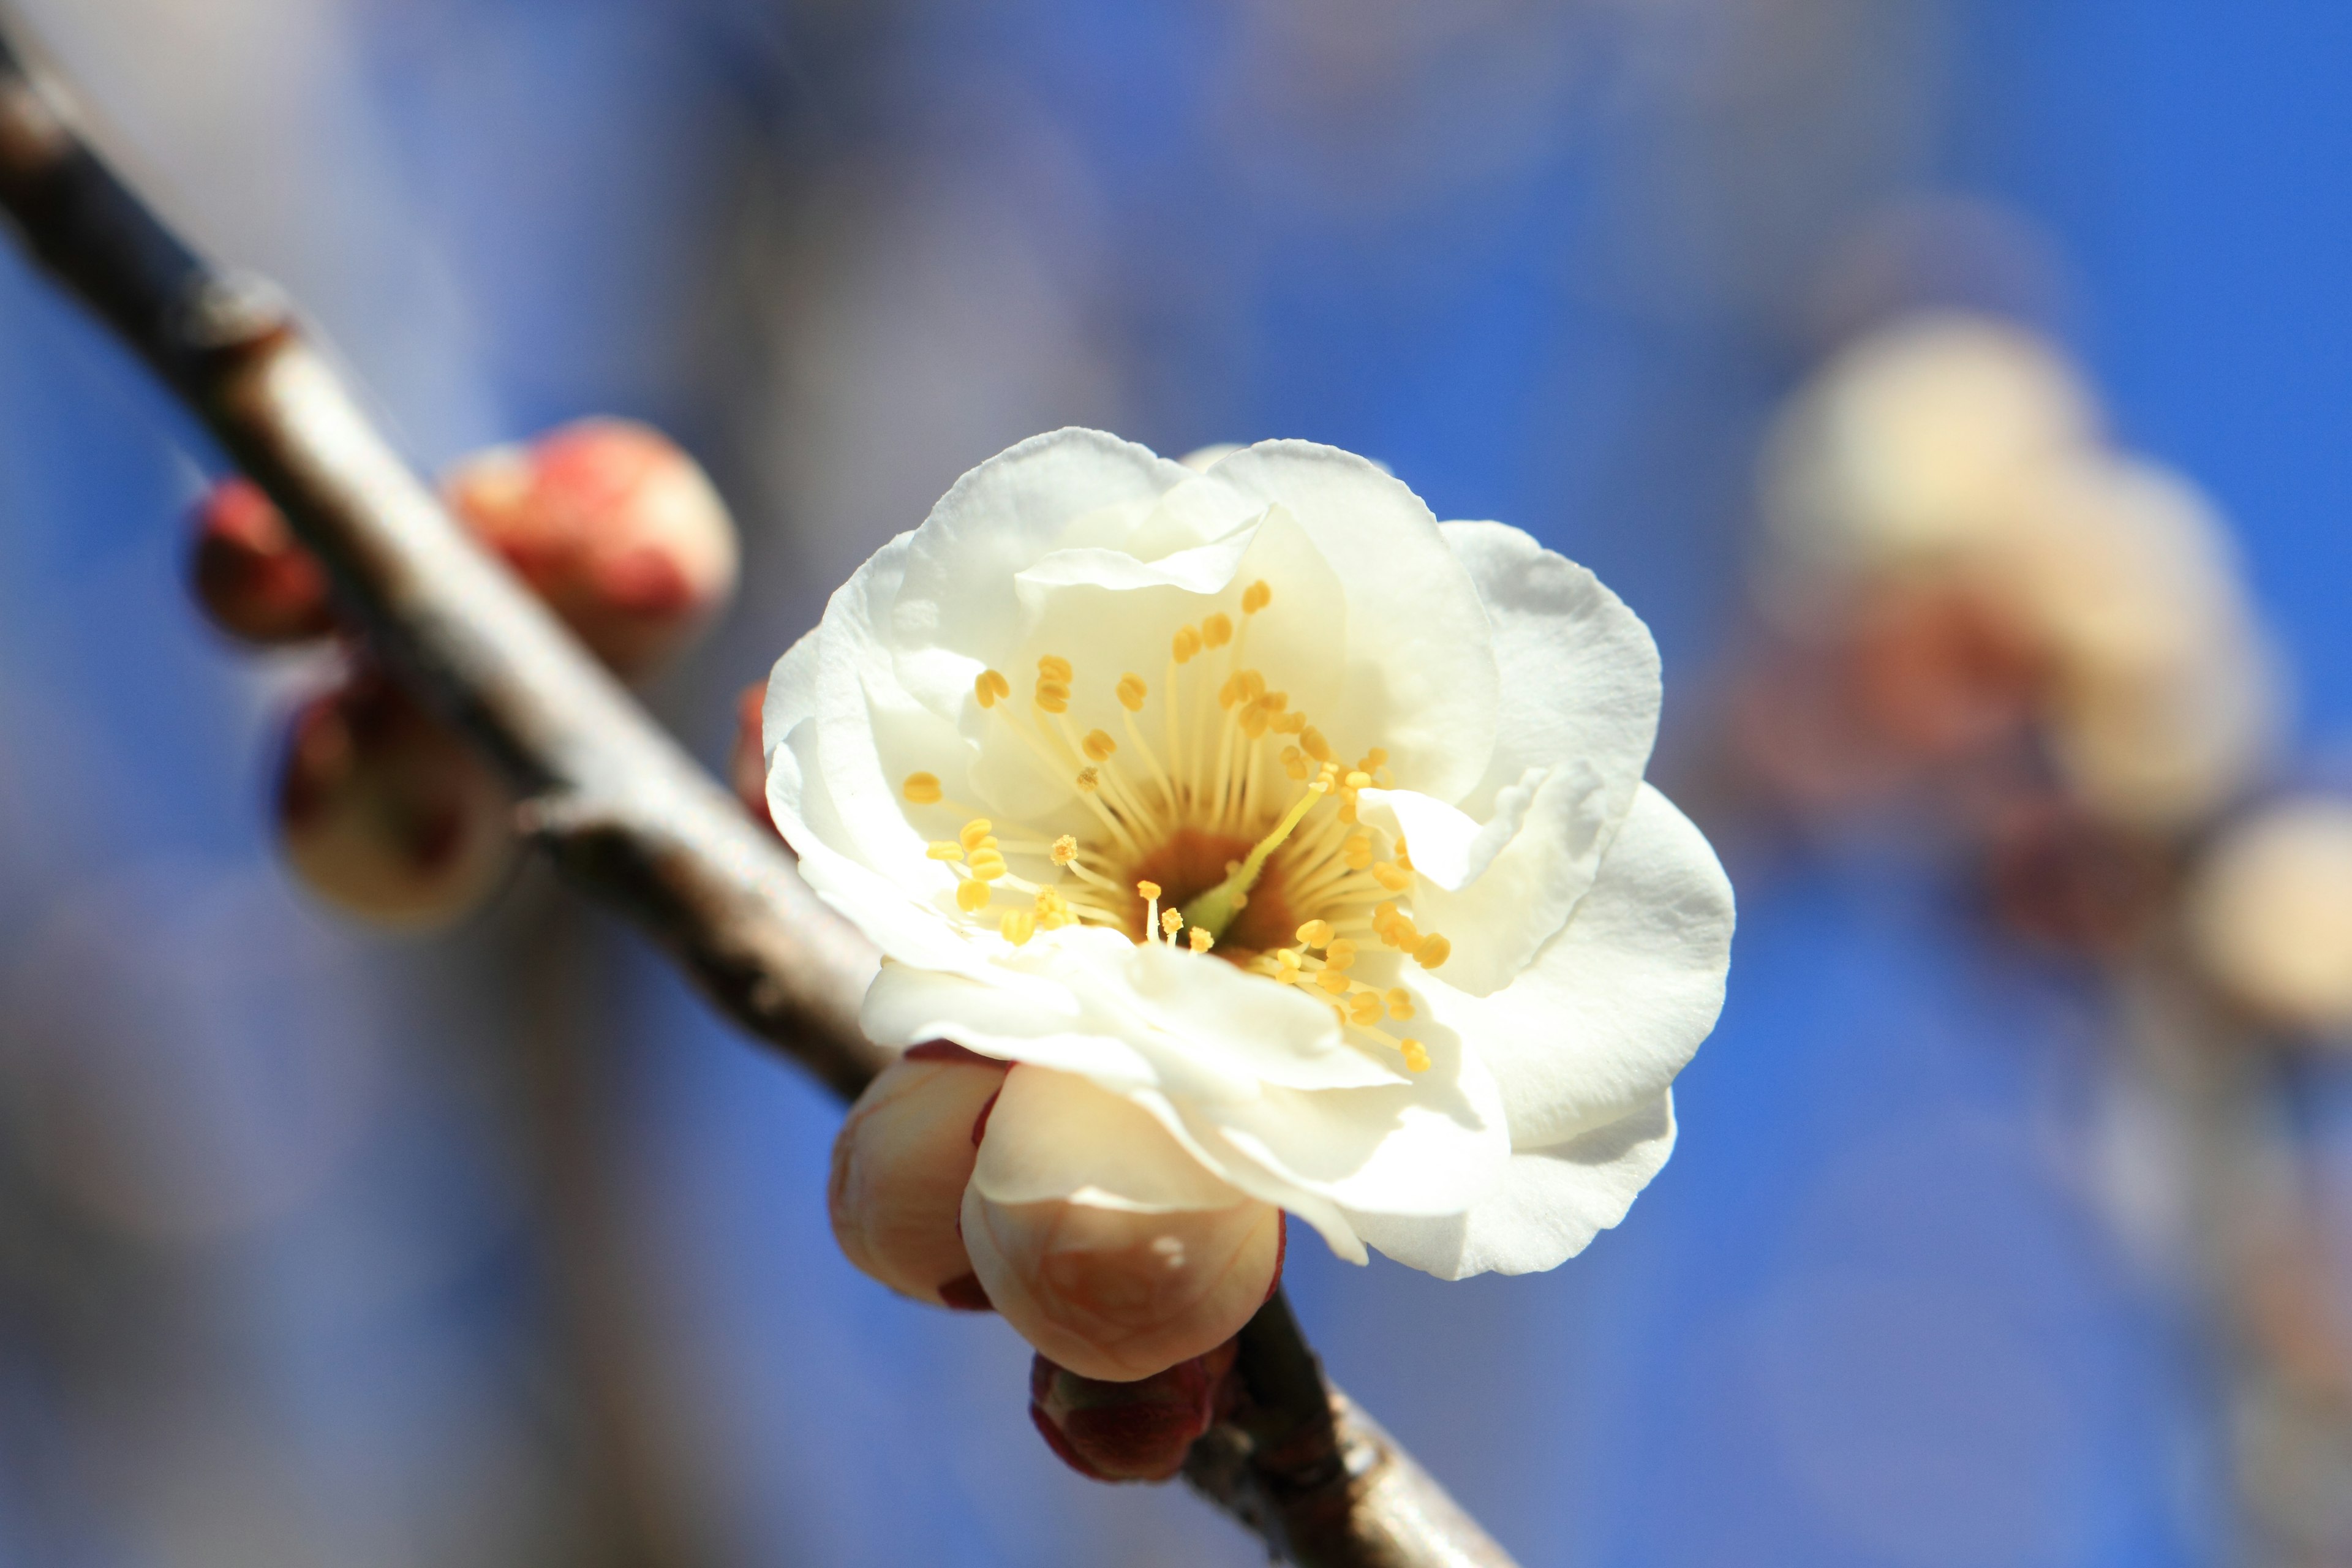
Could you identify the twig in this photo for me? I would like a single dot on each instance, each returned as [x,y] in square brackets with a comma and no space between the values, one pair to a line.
[623,812]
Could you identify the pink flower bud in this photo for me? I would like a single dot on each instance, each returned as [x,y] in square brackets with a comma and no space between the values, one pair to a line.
[1102,1240]
[385,813]
[253,579]
[899,1168]
[615,527]
[1138,1431]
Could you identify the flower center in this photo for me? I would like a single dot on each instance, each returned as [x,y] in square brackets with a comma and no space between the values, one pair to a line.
[1238,833]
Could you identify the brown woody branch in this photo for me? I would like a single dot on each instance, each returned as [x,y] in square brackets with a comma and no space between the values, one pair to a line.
[623,812]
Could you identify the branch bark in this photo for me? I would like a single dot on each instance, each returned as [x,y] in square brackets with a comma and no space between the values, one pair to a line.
[623,812]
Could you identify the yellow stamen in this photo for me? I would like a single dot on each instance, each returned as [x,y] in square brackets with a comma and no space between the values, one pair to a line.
[1065,849]
[1132,692]
[922,789]
[1053,696]
[1055,668]
[1216,908]
[991,687]
[1358,851]
[1186,645]
[1390,877]
[1416,1056]
[972,895]
[945,850]
[1334,981]
[1171,922]
[974,831]
[1311,742]
[1315,933]
[1017,927]
[1365,1009]
[1340,953]
[1146,890]
[988,865]
[1098,746]
[1216,631]
[1400,1003]
[1089,779]
[1199,937]
[1434,950]
[1256,597]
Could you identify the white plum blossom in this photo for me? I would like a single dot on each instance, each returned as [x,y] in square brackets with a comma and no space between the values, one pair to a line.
[1293,845]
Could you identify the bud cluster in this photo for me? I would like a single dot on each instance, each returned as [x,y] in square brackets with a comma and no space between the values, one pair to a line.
[380,808]
[1131,1305]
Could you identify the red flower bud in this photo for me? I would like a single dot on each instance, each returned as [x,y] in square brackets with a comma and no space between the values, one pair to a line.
[898,1172]
[747,765]
[614,526]
[250,575]
[1138,1431]
[385,813]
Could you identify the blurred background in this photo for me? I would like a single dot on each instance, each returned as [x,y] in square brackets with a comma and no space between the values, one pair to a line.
[321,1246]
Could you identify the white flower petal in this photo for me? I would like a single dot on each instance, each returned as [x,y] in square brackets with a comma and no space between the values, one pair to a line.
[1618,1000]
[1421,675]
[1546,1206]
[1053,1135]
[1428,1146]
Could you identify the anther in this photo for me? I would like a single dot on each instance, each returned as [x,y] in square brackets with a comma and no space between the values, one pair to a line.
[1290,724]
[1359,779]
[1286,960]
[1098,746]
[1311,742]
[1416,1056]
[1216,631]
[1400,1003]
[945,849]
[1053,696]
[991,687]
[1315,933]
[922,789]
[1391,878]
[1089,779]
[1055,667]
[1171,922]
[1065,849]
[1358,851]
[1294,762]
[1332,981]
[1340,953]
[1434,950]
[972,895]
[1403,860]
[1365,1009]
[1017,927]
[988,865]
[1256,597]
[1146,890]
[974,832]
[1132,692]
[1199,937]
[1186,645]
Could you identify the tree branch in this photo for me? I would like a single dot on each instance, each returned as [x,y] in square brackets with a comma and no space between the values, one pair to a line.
[623,812]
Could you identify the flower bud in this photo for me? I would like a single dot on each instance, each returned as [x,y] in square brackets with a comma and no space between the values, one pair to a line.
[2270,913]
[747,765]
[1138,1431]
[899,1166]
[614,526]
[1104,1243]
[385,813]
[252,577]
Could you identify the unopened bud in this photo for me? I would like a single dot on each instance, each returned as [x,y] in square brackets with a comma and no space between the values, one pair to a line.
[2270,915]
[899,1168]
[747,764]
[614,526]
[1106,1243]
[252,577]
[1138,1431]
[385,813]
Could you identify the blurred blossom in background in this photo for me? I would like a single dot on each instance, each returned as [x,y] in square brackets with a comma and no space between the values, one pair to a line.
[1956,389]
